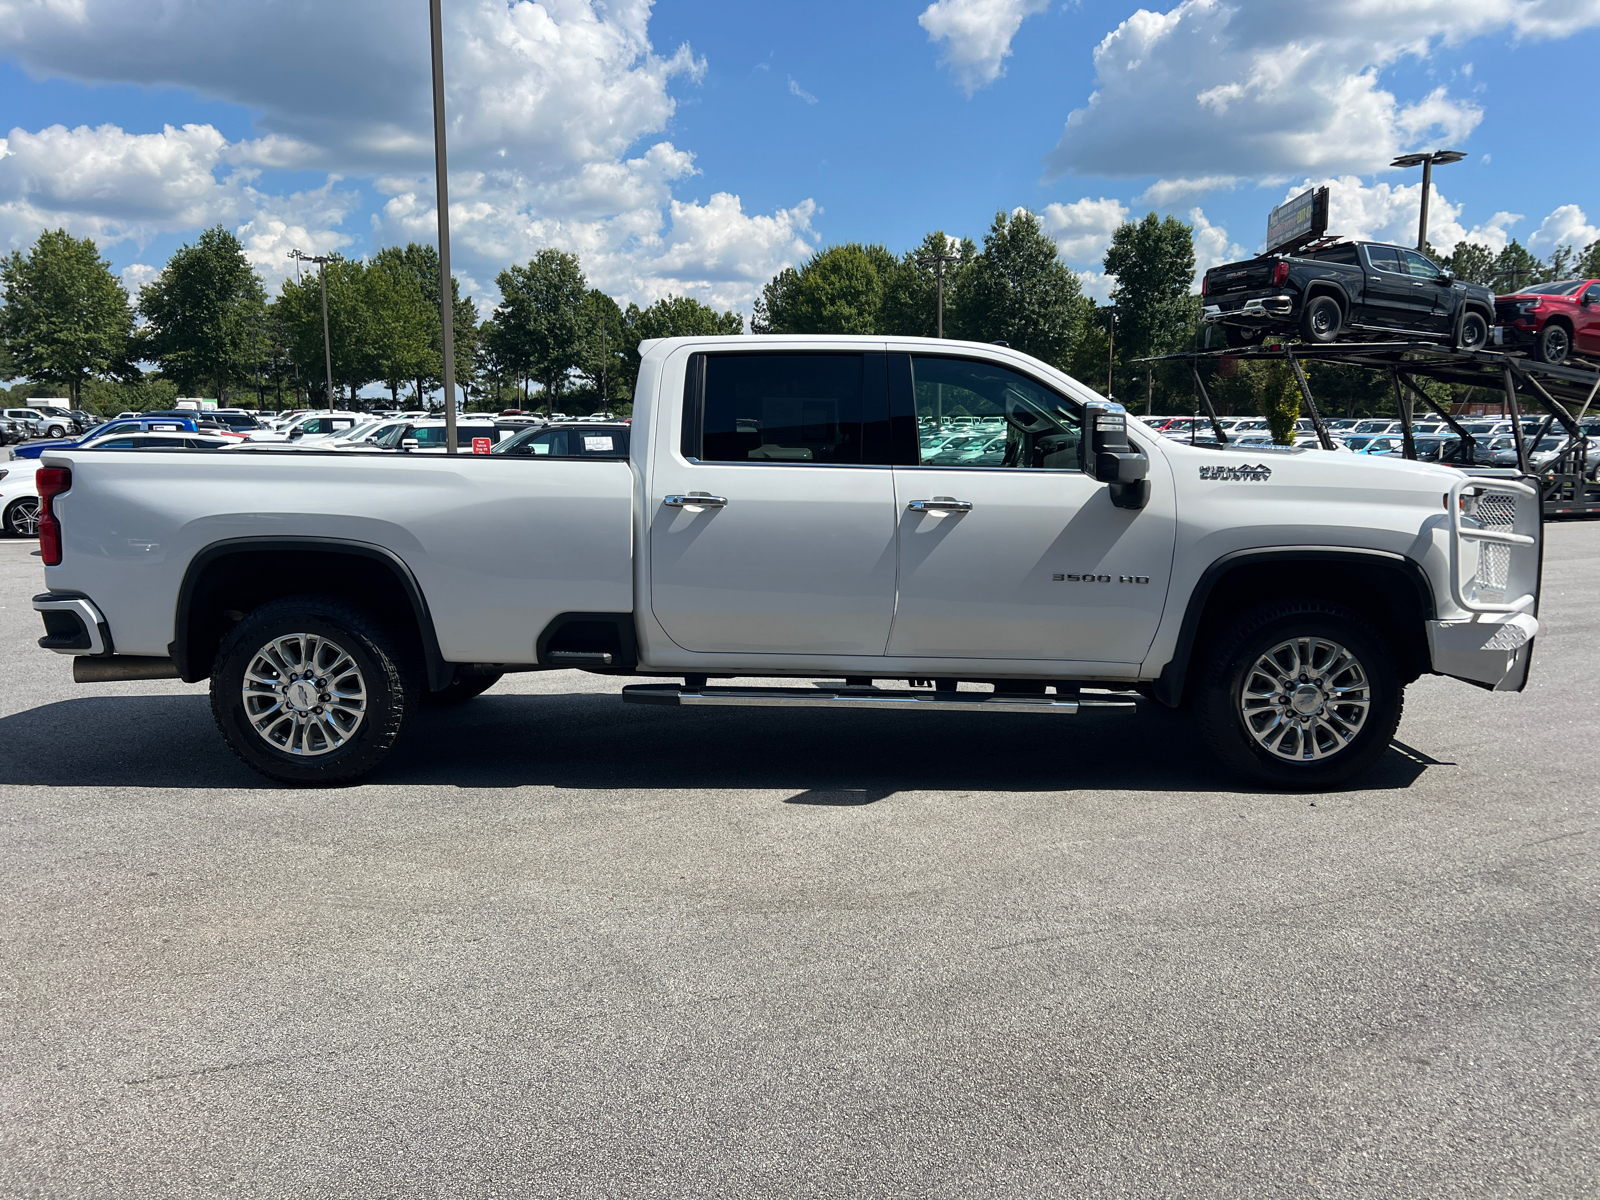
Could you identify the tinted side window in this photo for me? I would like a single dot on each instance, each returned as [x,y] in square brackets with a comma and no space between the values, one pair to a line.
[1420,266]
[972,413]
[794,408]
[567,443]
[1338,254]
[1386,258]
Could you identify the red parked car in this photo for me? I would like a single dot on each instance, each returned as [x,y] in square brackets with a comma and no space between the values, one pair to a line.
[1553,320]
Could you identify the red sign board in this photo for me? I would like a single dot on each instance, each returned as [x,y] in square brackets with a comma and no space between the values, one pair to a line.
[482,445]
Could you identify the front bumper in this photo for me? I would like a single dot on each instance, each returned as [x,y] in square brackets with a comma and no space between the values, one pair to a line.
[1494,571]
[1255,308]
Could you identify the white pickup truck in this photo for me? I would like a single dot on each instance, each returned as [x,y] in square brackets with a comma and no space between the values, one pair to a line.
[796,508]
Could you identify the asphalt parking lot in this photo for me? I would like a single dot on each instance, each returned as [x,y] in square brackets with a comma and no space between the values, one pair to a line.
[562,947]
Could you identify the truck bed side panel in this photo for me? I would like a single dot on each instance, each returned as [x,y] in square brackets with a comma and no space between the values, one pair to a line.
[499,546]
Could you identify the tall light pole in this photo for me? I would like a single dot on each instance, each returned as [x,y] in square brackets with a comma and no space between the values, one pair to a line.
[1427,161]
[322,261]
[938,262]
[447,314]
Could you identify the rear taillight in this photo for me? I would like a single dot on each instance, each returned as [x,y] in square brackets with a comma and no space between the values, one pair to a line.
[51,482]
[1280,273]
[1203,279]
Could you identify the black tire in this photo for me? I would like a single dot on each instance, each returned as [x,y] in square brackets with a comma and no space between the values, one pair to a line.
[56,431]
[1233,662]
[1474,334]
[387,683]
[1322,320]
[1239,337]
[22,517]
[1553,344]
[459,691]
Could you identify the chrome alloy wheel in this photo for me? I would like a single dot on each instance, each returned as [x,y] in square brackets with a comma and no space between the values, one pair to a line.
[24,517]
[304,694]
[1305,699]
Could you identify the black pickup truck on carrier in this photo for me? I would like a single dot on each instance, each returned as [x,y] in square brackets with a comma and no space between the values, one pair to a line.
[1346,290]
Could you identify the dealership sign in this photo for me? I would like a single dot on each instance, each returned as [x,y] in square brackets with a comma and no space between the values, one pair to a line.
[1301,220]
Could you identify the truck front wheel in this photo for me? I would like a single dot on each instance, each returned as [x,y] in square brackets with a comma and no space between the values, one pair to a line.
[1300,694]
[1322,320]
[311,690]
[1553,344]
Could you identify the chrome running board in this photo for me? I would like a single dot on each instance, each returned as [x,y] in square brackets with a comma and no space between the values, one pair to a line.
[863,697]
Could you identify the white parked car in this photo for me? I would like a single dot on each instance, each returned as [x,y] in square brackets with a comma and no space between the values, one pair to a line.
[764,523]
[310,425]
[19,498]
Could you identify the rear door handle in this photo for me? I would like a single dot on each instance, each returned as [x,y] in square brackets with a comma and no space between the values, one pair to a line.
[940,504]
[695,500]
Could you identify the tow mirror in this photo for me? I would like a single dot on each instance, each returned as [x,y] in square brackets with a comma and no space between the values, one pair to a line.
[1109,457]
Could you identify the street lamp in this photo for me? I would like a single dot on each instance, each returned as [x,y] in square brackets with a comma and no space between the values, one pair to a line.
[1427,162]
[322,261]
[447,315]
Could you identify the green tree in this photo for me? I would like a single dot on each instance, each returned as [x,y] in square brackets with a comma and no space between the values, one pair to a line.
[600,357]
[910,305]
[1471,263]
[422,261]
[540,319]
[401,325]
[1019,292]
[66,319]
[349,328]
[1589,261]
[772,312]
[203,312]
[1153,263]
[672,316]
[837,290]
[1515,267]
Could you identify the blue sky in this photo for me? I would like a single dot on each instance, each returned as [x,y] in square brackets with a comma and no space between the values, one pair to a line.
[697,147]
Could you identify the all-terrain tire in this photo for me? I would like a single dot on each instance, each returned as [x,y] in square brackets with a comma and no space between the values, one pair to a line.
[1324,750]
[323,751]
[459,691]
[1240,337]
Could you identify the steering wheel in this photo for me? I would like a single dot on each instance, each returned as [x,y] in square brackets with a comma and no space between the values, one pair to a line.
[1022,416]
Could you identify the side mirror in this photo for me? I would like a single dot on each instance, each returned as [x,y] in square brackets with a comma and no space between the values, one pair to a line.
[1106,454]
[1585,300]
[1446,279]
[410,444]
[296,432]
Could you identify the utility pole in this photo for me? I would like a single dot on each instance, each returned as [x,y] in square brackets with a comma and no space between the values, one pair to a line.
[447,314]
[1111,348]
[322,261]
[1442,158]
[938,263]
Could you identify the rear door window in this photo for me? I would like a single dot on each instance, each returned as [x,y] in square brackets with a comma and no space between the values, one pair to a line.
[1386,258]
[828,409]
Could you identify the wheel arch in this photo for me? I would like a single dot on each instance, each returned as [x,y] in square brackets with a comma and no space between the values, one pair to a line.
[1391,590]
[240,574]
[1328,287]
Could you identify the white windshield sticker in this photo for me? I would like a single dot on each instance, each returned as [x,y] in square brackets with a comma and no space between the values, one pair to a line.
[595,444]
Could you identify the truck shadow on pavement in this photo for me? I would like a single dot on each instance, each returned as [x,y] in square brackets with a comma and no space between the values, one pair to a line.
[592,740]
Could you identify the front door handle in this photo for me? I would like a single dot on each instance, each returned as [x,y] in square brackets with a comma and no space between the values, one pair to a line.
[940,504]
[695,500]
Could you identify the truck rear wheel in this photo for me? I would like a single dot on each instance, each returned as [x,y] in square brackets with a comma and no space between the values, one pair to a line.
[1322,320]
[1240,336]
[311,690]
[1300,694]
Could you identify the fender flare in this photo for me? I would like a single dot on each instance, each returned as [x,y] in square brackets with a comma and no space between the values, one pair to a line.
[1170,683]
[440,673]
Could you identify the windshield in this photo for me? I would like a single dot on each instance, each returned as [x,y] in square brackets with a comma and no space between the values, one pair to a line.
[1356,443]
[1565,287]
[593,442]
[237,420]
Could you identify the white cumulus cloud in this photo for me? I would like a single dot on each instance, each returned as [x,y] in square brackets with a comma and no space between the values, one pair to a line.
[1082,230]
[977,35]
[1567,226]
[1264,88]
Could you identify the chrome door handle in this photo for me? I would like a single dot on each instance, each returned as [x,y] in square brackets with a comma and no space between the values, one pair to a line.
[940,504]
[695,500]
